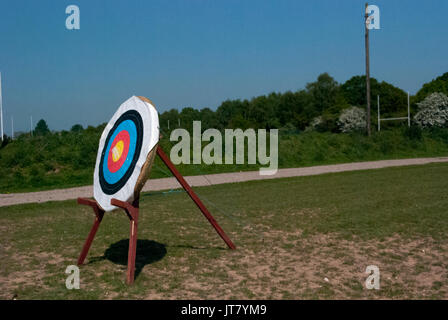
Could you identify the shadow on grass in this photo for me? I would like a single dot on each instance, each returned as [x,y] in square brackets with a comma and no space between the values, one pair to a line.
[182,246]
[148,251]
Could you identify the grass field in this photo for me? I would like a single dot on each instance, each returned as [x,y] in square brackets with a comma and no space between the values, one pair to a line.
[297,238]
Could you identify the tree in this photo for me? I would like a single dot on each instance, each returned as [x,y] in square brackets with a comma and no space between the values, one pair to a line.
[208,119]
[229,109]
[324,92]
[295,109]
[41,128]
[328,101]
[169,119]
[187,116]
[354,90]
[262,111]
[77,128]
[392,99]
[304,111]
[440,84]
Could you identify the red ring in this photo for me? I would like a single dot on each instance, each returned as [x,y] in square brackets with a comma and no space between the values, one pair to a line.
[115,166]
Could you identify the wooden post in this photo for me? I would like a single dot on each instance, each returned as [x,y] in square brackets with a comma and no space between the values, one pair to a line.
[194,197]
[409,112]
[132,210]
[1,107]
[99,213]
[379,118]
[367,70]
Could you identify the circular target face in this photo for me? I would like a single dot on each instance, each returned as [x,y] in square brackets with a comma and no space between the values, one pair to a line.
[124,147]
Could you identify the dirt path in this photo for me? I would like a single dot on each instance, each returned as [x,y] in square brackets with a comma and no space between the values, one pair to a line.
[211,179]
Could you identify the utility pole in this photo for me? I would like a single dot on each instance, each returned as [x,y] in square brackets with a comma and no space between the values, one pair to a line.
[366,26]
[379,118]
[31,126]
[12,128]
[409,112]
[1,106]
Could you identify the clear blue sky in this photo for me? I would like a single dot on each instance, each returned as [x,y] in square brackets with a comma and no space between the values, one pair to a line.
[200,52]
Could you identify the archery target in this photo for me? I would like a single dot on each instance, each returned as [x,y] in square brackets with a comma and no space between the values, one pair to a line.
[124,148]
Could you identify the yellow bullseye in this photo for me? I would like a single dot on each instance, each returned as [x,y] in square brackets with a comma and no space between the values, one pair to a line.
[117,151]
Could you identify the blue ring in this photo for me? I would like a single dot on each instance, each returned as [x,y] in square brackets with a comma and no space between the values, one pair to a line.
[114,177]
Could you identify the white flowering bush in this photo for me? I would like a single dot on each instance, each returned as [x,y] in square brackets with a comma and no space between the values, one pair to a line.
[352,119]
[315,123]
[433,111]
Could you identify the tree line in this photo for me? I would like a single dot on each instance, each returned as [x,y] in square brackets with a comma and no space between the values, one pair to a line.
[293,111]
[324,98]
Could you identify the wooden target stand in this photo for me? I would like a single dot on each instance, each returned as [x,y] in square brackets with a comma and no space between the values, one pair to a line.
[132,211]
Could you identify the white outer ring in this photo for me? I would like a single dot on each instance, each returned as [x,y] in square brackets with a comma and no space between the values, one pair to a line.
[150,120]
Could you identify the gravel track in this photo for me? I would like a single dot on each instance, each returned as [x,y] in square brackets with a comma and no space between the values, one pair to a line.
[212,179]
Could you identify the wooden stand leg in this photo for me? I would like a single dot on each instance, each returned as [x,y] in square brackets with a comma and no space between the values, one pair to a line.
[99,213]
[132,210]
[194,197]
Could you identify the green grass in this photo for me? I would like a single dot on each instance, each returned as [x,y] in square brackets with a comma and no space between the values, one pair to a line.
[290,233]
[67,159]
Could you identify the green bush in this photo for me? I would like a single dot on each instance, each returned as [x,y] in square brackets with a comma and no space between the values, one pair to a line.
[413,133]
